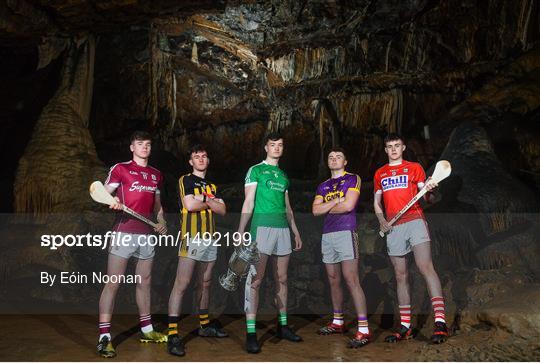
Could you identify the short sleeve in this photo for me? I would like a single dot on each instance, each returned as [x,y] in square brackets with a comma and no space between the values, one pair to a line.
[115,177]
[214,190]
[354,183]
[186,186]
[252,176]
[319,192]
[419,175]
[159,183]
[377,187]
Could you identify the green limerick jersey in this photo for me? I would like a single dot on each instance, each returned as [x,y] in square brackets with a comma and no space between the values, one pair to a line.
[272,183]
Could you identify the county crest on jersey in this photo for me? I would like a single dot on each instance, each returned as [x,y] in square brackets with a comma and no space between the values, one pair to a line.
[337,188]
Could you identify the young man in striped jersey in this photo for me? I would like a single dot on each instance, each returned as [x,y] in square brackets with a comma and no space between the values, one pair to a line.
[199,201]
[137,186]
[396,183]
[267,200]
[337,198]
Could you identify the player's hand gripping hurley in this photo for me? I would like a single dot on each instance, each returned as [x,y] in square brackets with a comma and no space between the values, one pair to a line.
[441,172]
[100,195]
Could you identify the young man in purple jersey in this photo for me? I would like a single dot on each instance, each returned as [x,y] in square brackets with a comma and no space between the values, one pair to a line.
[337,199]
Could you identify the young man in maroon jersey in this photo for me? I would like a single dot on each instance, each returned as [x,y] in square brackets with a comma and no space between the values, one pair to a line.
[396,183]
[137,186]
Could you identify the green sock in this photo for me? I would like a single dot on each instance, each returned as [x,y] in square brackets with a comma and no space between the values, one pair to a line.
[250,325]
[282,319]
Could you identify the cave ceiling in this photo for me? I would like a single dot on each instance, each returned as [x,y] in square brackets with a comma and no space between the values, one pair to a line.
[342,70]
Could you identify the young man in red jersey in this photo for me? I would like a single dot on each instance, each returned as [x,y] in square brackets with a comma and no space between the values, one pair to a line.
[137,186]
[396,183]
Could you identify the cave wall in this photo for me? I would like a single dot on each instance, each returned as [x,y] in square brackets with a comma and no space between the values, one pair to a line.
[226,78]
[323,73]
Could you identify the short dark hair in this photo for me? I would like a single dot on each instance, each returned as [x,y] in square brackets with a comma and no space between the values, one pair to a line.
[140,135]
[196,148]
[338,149]
[393,137]
[273,136]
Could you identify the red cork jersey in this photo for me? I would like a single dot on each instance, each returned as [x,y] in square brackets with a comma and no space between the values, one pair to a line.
[136,187]
[398,185]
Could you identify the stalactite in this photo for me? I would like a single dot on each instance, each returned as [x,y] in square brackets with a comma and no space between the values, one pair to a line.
[60,159]
[527,8]
[194,53]
[383,110]
[173,96]
[387,57]
[309,63]
[160,78]
[408,47]
[279,119]
[50,49]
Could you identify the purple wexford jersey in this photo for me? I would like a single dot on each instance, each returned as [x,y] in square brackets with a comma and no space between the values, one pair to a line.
[337,188]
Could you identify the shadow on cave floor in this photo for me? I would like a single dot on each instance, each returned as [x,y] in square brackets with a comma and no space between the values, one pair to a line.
[72,337]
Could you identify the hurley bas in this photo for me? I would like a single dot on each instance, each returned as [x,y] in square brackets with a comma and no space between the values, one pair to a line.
[66,277]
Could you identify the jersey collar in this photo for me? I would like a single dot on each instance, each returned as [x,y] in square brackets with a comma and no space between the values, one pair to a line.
[339,176]
[265,163]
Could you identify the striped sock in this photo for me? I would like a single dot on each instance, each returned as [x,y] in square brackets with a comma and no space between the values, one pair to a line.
[363,324]
[250,323]
[282,319]
[338,317]
[438,308]
[145,322]
[173,325]
[105,330]
[204,319]
[405,315]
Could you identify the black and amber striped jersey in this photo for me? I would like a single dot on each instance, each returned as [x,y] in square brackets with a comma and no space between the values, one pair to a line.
[194,223]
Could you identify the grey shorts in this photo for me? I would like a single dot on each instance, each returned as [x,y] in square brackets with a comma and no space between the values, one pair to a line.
[339,246]
[404,236]
[274,241]
[127,245]
[198,249]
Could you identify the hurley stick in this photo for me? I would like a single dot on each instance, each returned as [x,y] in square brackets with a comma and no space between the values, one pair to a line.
[441,172]
[100,195]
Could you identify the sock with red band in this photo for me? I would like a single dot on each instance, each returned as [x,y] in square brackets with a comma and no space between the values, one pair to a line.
[438,308]
[405,315]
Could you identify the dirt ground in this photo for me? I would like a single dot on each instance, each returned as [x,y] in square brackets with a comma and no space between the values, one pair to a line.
[73,338]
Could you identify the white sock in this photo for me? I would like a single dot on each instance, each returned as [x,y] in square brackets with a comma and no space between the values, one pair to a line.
[363,329]
[338,318]
[147,328]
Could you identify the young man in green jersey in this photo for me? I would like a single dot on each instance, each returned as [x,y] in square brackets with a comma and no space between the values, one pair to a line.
[267,204]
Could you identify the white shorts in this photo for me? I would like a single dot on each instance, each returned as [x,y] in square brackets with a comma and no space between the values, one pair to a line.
[274,241]
[198,249]
[339,246]
[127,245]
[404,236]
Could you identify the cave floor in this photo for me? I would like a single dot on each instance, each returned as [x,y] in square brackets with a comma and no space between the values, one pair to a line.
[73,338]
